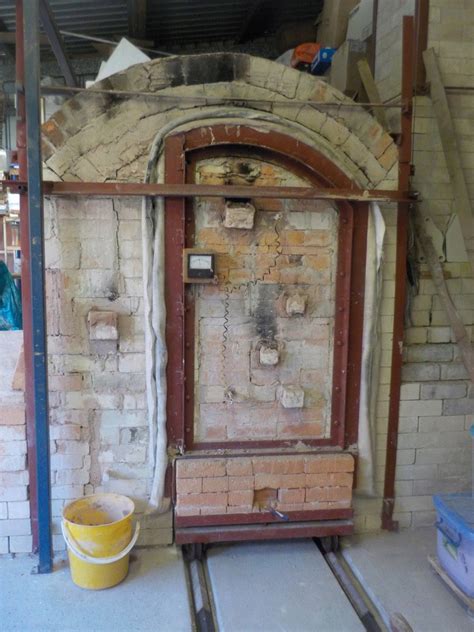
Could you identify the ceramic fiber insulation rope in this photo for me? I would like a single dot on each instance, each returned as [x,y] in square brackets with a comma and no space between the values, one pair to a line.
[154,279]
[370,353]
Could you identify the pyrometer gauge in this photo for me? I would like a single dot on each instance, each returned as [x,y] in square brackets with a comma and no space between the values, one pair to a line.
[199,266]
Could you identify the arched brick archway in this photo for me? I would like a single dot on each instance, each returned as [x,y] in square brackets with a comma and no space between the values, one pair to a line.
[106,137]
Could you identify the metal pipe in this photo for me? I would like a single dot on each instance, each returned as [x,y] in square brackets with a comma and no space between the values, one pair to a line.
[36,271]
[400,276]
[60,90]
[25,275]
[102,40]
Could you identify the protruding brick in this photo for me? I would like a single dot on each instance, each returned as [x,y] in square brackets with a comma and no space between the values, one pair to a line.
[103,325]
[292,397]
[239,215]
[269,356]
[296,305]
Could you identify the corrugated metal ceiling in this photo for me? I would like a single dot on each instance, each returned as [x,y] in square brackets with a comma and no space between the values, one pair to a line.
[172,22]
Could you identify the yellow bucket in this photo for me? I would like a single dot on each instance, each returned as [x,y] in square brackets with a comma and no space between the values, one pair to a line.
[98,534]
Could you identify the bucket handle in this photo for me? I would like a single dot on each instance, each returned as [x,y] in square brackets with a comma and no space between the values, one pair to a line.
[78,552]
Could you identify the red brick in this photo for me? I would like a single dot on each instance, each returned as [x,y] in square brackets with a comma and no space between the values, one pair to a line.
[206,468]
[219,484]
[278,466]
[339,504]
[343,463]
[65,382]
[240,482]
[291,481]
[189,485]
[314,506]
[239,467]
[202,500]
[319,464]
[339,493]
[317,480]
[267,480]
[187,511]
[241,498]
[12,415]
[238,509]
[283,507]
[341,479]
[316,494]
[291,496]
[209,511]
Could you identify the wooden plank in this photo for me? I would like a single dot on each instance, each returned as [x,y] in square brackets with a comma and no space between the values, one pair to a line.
[372,90]
[436,268]
[450,145]
[137,18]
[436,566]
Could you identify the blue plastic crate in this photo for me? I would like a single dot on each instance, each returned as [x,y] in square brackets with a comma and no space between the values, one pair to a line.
[455,539]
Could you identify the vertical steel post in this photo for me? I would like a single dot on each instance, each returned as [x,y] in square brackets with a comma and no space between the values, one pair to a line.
[38,311]
[404,172]
[25,271]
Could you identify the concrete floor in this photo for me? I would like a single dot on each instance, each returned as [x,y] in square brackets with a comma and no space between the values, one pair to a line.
[153,597]
[257,587]
[394,570]
[284,586]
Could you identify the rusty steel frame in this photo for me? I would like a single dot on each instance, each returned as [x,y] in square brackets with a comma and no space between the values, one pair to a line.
[181,151]
[186,190]
[404,173]
[341,513]
[25,273]
[272,531]
[305,160]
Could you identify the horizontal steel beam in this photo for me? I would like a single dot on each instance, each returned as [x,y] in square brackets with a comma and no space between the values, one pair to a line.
[112,189]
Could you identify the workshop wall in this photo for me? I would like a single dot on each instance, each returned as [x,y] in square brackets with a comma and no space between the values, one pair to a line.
[437,405]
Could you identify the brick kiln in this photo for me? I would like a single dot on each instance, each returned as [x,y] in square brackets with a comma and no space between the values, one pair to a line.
[240,403]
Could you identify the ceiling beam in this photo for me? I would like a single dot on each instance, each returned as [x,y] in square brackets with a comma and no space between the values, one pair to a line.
[137,18]
[9,37]
[57,42]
